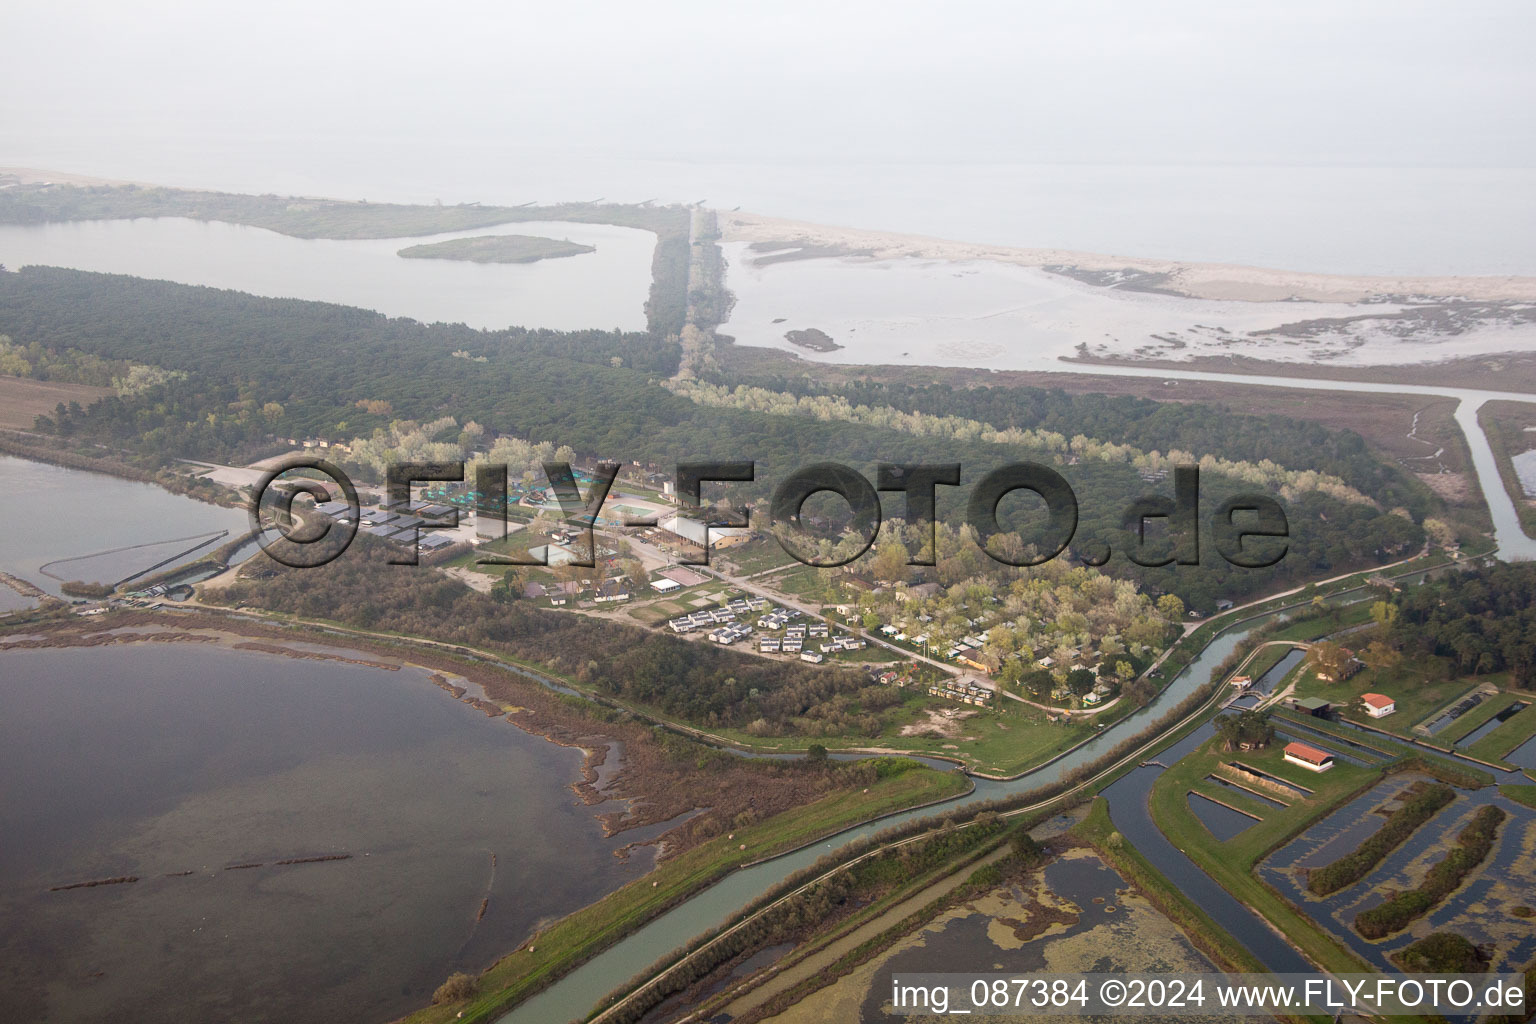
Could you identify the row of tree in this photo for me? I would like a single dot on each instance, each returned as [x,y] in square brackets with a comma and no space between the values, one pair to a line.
[1146,425]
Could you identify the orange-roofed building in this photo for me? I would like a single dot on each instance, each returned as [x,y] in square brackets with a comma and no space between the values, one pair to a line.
[1308,757]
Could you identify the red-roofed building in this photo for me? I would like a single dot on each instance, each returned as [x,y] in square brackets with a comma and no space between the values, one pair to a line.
[1308,757]
[1378,705]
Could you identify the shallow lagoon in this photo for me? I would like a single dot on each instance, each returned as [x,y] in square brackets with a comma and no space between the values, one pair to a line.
[178,763]
[603,289]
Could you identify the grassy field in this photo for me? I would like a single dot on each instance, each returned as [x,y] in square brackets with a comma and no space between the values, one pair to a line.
[1459,772]
[1502,741]
[756,555]
[808,583]
[1418,699]
[1003,741]
[574,939]
[514,544]
[1520,794]
[1231,863]
[1468,723]
[870,655]
[656,613]
[1308,626]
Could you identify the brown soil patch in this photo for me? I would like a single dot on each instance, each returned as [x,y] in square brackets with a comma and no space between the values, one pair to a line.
[935,721]
[23,400]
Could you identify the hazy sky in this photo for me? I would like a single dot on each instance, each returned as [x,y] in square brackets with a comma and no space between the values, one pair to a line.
[1389,81]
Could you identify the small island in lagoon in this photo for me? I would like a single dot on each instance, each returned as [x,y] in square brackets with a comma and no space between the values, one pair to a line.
[497,249]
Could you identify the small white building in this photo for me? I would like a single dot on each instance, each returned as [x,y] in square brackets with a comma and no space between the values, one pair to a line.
[1378,705]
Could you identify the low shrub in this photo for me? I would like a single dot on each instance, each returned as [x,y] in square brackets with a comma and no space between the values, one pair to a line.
[1402,908]
[1352,867]
[456,989]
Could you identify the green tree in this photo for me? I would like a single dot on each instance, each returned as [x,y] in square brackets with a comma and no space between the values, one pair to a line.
[1171,607]
[1245,729]
[1328,660]
[1081,681]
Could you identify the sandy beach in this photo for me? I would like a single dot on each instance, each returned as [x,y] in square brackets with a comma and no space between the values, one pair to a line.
[1194,280]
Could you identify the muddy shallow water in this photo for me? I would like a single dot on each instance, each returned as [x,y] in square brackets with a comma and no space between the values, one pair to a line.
[197,768]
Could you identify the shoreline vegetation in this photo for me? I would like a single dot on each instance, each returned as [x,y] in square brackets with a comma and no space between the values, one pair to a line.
[497,249]
[23,445]
[657,765]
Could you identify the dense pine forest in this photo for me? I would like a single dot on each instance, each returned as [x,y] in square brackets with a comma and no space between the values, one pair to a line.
[1484,618]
